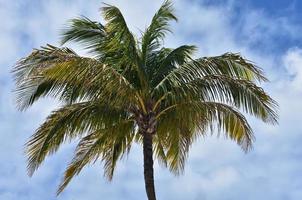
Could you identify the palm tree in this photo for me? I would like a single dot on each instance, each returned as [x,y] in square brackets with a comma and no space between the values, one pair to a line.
[135,90]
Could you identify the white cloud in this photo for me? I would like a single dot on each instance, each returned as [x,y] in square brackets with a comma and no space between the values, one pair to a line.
[215,167]
[258,26]
[293,63]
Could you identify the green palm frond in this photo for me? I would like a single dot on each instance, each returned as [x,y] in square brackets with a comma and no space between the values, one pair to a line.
[109,144]
[178,148]
[155,59]
[121,46]
[61,73]
[233,65]
[89,33]
[157,30]
[68,123]
[240,93]
[87,151]
[159,150]
[172,61]
[119,36]
[119,146]
[177,139]
[192,81]
[230,121]
[203,117]
[213,114]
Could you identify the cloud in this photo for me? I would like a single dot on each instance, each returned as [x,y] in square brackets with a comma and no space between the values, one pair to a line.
[293,64]
[217,168]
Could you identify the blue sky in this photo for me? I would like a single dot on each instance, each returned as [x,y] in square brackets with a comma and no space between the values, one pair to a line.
[267,32]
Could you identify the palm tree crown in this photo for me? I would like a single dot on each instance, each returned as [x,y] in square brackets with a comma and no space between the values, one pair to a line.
[135,90]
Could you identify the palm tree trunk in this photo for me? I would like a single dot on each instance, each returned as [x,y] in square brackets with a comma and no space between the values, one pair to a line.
[148,166]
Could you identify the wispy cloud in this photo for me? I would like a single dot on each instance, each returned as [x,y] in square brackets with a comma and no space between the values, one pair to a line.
[293,62]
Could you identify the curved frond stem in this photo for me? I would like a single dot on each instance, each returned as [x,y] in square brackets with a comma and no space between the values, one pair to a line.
[167,109]
[157,103]
[141,102]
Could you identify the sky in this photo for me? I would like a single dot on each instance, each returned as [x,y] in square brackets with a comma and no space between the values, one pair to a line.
[266,32]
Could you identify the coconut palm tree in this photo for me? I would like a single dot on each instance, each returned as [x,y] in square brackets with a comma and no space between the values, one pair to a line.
[135,90]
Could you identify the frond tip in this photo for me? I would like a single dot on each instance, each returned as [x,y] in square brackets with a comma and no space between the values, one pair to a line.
[158,28]
[89,33]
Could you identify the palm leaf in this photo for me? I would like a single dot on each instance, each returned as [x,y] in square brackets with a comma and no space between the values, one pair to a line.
[202,118]
[89,33]
[121,46]
[109,143]
[231,122]
[240,93]
[65,124]
[172,61]
[157,30]
[61,73]
[232,65]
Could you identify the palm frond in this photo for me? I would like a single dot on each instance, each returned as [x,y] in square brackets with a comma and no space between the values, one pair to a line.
[119,36]
[121,46]
[232,65]
[178,127]
[154,60]
[119,146]
[65,124]
[172,61]
[178,148]
[61,73]
[230,121]
[87,151]
[89,33]
[109,144]
[159,150]
[157,30]
[212,115]
[240,93]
